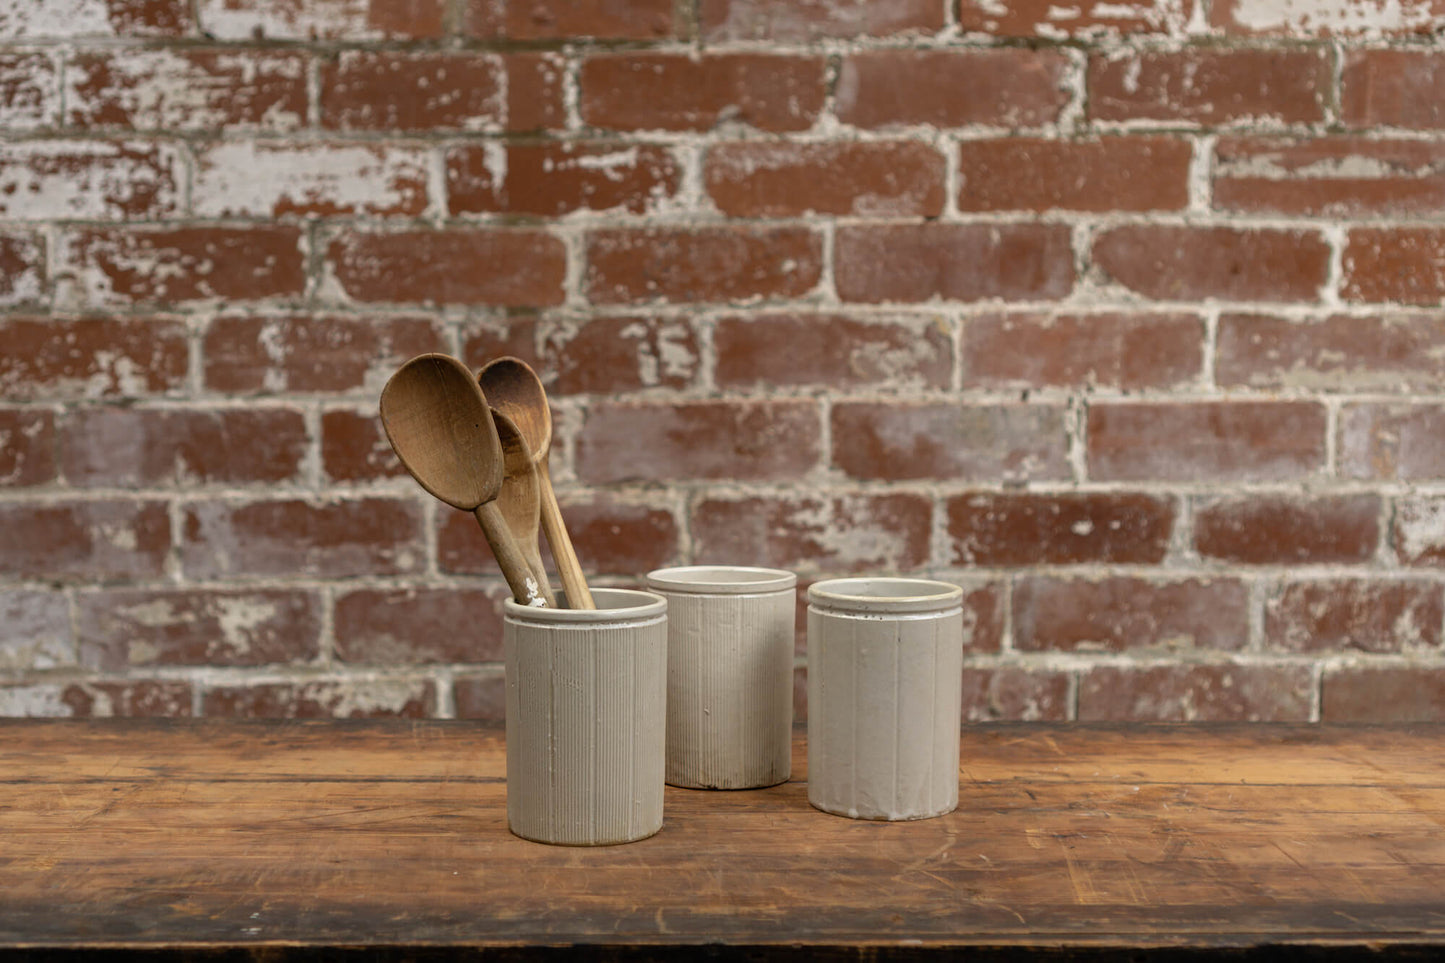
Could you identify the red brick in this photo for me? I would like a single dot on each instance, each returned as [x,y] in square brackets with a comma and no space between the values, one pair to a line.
[27,447]
[1102,174]
[136,698]
[22,268]
[743,441]
[912,440]
[1016,528]
[701,264]
[780,21]
[419,625]
[1337,353]
[285,536]
[249,354]
[868,178]
[1365,614]
[1285,530]
[1179,263]
[1263,17]
[93,180]
[610,536]
[84,540]
[1122,613]
[323,19]
[1392,442]
[613,355]
[147,447]
[123,266]
[1329,176]
[1115,351]
[565,20]
[1090,18]
[1404,264]
[377,90]
[61,360]
[831,350]
[1009,694]
[251,179]
[323,699]
[493,337]
[524,268]
[35,632]
[1210,87]
[956,262]
[188,88]
[354,447]
[119,629]
[535,99]
[1383,694]
[1418,530]
[29,90]
[26,20]
[553,179]
[1192,441]
[1196,693]
[480,697]
[1392,88]
[1003,87]
[662,91]
[839,533]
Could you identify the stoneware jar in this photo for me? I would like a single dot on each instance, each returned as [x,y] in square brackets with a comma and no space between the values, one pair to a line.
[729,674]
[885,677]
[585,718]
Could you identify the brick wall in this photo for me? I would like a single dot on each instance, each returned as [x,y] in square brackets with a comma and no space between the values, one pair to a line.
[1125,316]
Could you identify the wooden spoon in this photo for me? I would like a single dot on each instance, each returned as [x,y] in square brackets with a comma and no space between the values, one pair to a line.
[439,425]
[521,499]
[514,389]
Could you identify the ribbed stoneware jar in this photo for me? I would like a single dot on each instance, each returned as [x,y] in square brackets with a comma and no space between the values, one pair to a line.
[586,691]
[729,674]
[885,677]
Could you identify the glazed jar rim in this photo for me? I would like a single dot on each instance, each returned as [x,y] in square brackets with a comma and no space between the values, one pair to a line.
[632,605]
[721,579]
[885,594]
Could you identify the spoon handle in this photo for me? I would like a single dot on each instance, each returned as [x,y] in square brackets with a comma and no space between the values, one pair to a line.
[504,546]
[569,570]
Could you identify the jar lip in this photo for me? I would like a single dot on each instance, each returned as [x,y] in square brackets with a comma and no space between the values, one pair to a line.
[885,594]
[613,605]
[721,579]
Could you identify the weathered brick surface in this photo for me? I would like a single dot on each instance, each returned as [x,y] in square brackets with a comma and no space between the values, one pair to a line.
[1122,315]
[1017,529]
[896,442]
[1222,441]
[1121,613]
[1196,693]
[953,262]
[1275,530]
[1125,352]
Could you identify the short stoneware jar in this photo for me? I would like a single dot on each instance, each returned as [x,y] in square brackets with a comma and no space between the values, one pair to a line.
[586,691]
[885,678]
[729,674]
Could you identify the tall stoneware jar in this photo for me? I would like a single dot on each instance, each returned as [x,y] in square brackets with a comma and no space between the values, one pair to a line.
[729,674]
[586,710]
[885,675]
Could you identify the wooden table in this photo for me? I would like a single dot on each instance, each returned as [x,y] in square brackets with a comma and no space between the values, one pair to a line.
[388,840]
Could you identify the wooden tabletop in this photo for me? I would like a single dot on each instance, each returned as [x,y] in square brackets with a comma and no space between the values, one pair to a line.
[388,840]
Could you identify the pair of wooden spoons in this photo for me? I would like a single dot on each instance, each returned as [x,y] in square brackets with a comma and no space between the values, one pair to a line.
[480,444]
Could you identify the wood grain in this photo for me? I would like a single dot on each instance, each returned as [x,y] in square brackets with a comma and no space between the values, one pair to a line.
[290,837]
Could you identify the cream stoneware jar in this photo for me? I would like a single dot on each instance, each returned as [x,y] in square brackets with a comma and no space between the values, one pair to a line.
[885,677]
[586,691]
[729,674]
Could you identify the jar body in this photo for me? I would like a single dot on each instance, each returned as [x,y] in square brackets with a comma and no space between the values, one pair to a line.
[885,676]
[586,692]
[729,674]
